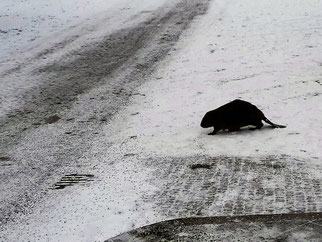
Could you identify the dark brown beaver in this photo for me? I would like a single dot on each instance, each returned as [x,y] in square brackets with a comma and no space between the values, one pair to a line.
[234,115]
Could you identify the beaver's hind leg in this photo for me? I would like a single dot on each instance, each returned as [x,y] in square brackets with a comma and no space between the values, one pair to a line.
[258,125]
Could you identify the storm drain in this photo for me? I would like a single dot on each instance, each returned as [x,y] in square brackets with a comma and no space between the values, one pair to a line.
[200,166]
[69,180]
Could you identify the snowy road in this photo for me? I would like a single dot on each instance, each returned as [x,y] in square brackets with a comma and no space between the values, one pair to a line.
[125,111]
[55,103]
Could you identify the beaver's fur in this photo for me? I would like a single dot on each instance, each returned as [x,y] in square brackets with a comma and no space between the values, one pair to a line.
[234,115]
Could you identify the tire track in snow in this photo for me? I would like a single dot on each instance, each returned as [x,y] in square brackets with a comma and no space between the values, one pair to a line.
[116,66]
[137,49]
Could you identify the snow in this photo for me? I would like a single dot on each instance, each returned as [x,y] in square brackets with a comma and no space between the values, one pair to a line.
[276,72]
[29,23]
[266,52]
[48,30]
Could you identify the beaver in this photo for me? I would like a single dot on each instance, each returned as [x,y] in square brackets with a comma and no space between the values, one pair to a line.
[234,115]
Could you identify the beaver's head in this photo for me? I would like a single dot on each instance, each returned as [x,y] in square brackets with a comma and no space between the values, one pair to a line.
[207,121]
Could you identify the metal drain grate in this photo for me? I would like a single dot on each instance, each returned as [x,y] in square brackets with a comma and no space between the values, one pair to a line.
[198,166]
[69,180]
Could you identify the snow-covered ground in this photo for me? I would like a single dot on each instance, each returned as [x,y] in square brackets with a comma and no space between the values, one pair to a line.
[34,33]
[27,24]
[266,52]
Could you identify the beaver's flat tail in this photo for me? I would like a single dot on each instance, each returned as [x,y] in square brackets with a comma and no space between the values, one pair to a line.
[274,125]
